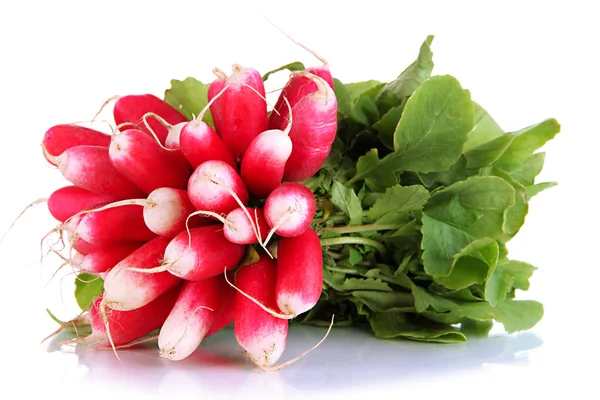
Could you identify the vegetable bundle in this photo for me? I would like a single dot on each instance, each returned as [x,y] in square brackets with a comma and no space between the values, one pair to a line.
[385,205]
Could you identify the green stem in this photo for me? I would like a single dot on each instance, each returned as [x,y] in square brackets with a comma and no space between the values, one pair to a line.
[363,228]
[354,240]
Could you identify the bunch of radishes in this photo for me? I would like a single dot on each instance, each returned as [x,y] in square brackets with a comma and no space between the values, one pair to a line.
[164,207]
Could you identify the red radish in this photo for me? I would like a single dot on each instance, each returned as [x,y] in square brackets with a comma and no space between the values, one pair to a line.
[215,87]
[241,113]
[214,186]
[299,273]
[132,108]
[112,225]
[313,131]
[264,160]
[128,289]
[194,313]
[78,244]
[225,317]
[89,167]
[127,326]
[297,87]
[138,157]
[64,136]
[202,253]
[67,201]
[289,209]
[199,142]
[262,335]
[103,259]
[165,211]
[241,225]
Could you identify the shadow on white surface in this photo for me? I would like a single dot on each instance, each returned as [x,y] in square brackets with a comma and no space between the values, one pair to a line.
[348,358]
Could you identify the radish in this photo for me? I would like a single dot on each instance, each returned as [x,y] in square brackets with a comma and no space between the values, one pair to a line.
[125,288]
[260,334]
[313,131]
[297,87]
[241,225]
[165,211]
[64,136]
[67,201]
[289,209]
[225,317]
[213,89]
[199,142]
[215,186]
[299,273]
[89,167]
[125,327]
[242,115]
[200,254]
[103,259]
[194,313]
[264,161]
[138,157]
[132,108]
[109,225]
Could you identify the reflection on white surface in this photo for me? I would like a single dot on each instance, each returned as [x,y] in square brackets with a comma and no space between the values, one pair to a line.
[348,360]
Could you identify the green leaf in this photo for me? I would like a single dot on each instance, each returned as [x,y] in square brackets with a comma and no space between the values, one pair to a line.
[525,143]
[347,201]
[386,126]
[367,89]
[389,325]
[377,182]
[189,97]
[392,94]
[354,256]
[485,129]
[530,168]
[514,315]
[343,99]
[364,112]
[294,66]
[384,301]
[497,286]
[473,264]
[459,214]
[431,131]
[396,204]
[473,327]
[87,288]
[532,190]
[520,272]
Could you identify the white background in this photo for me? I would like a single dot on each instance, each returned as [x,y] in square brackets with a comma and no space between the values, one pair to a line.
[522,61]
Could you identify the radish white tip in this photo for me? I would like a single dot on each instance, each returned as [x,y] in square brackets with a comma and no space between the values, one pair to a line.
[219,73]
[169,352]
[270,368]
[163,122]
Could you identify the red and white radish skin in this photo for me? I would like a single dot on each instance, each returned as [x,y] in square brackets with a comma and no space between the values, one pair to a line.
[165,211]
[211,186]
[241,111]
[64,136]
[201,254]
[132,109]
[90,167]
[313,130]
[237,228]
[192,316]
[127,289]
[103,259]
[200,143]
[299,273]
[67,201]
[127,326]
[78,244]
[264,162]
[289,209]
[297,87]
[141,159]
[262,335]
[113,225]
